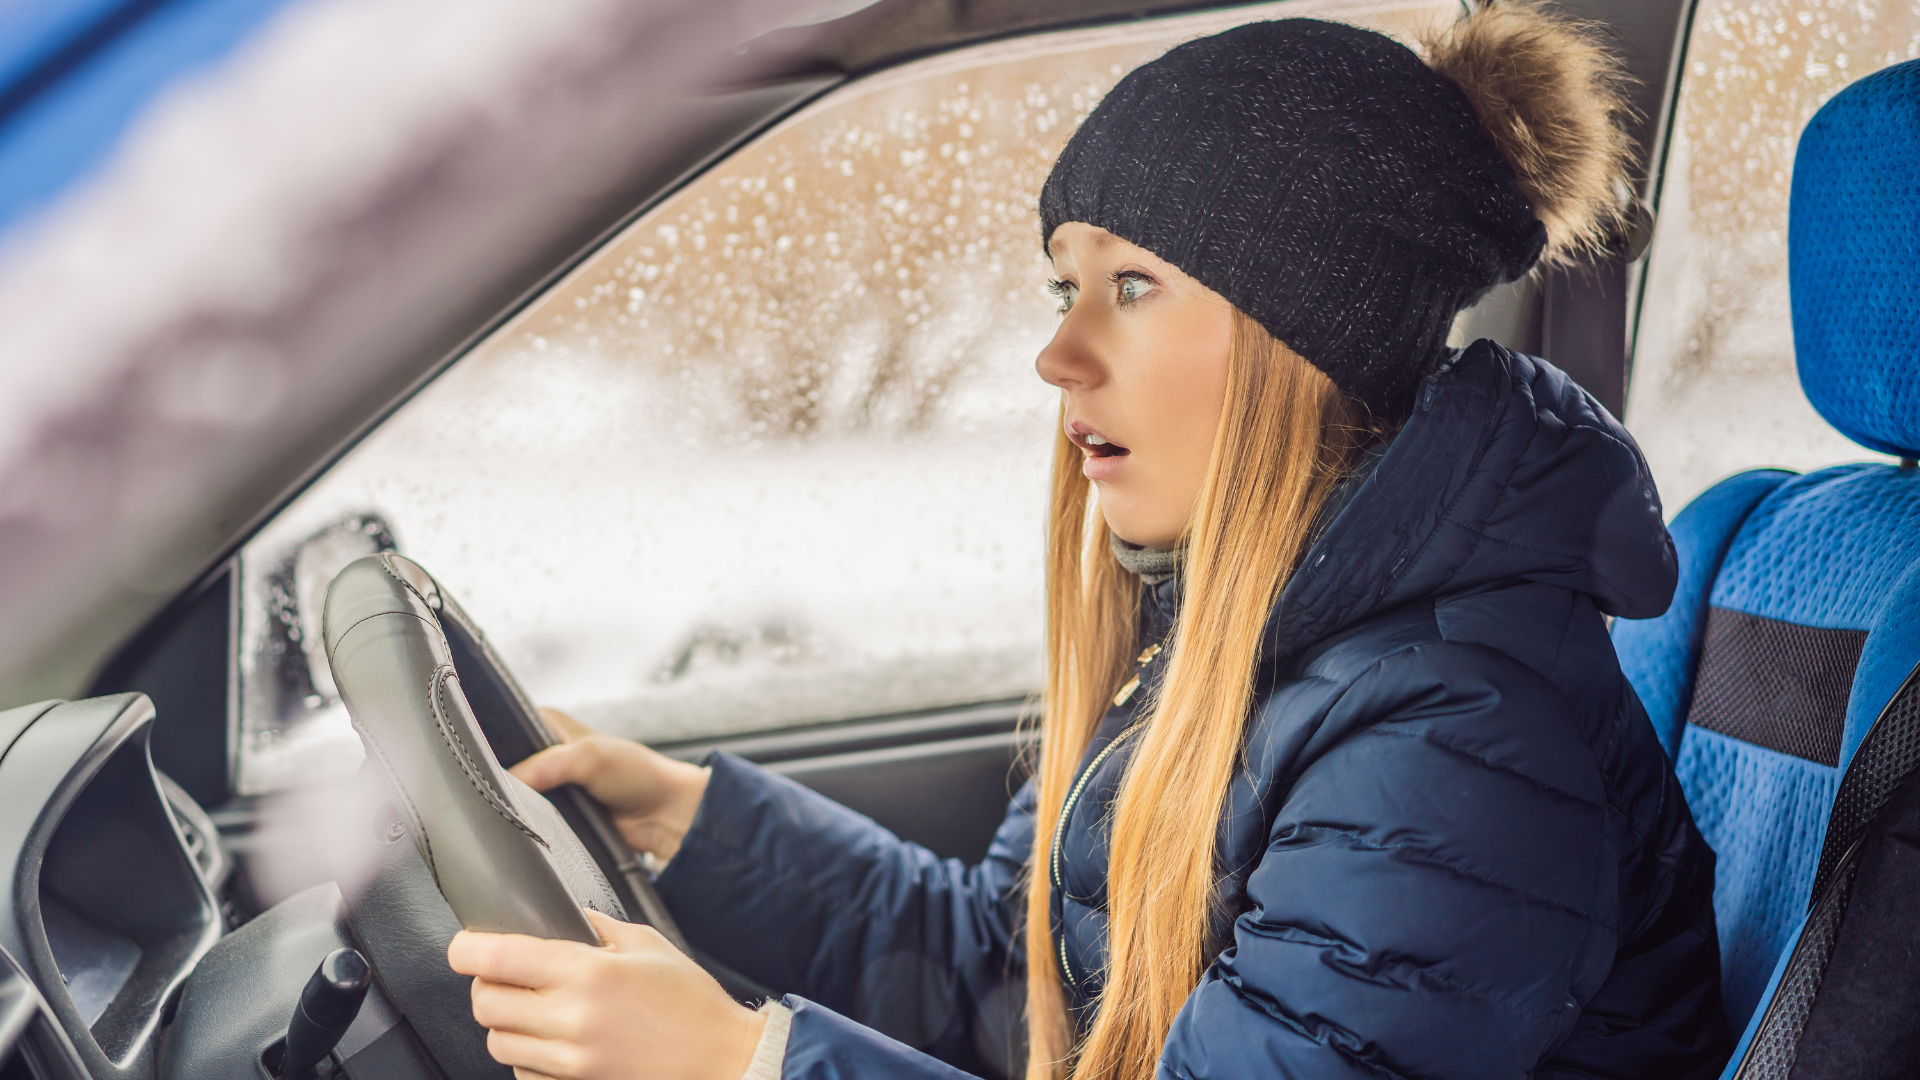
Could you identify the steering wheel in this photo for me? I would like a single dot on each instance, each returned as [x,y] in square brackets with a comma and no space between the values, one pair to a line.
[438,712]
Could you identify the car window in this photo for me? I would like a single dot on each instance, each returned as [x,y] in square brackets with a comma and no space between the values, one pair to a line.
[775,455]
[1714,389]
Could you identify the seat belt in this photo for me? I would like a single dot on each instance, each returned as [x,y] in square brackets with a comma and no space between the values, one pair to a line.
[1848,1002]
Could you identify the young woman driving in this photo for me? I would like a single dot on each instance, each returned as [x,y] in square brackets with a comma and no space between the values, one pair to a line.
[1339,776]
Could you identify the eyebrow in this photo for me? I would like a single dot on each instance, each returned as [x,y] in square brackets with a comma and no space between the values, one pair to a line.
[1101,238]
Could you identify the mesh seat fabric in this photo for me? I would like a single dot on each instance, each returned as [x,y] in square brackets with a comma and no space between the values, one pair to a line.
[1795,620]
[1751,674]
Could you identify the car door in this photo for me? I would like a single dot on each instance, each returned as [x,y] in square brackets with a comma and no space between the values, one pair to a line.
[765,473]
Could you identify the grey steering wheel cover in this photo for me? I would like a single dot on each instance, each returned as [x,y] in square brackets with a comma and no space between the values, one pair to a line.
[498,852]
[403,924]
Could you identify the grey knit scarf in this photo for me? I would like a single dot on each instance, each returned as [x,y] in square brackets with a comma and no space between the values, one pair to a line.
[1153,565]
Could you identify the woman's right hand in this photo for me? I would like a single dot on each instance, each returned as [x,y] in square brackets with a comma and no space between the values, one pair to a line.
[653,798]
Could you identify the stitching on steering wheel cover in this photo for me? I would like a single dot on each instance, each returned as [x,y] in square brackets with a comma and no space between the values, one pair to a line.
[478,779]
[387,565]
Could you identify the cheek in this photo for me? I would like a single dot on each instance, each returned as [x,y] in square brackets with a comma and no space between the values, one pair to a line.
[1186,390]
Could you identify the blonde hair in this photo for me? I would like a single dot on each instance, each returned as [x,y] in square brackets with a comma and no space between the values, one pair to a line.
[1285,435]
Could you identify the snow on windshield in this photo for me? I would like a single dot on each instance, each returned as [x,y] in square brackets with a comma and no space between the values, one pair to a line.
[775,455]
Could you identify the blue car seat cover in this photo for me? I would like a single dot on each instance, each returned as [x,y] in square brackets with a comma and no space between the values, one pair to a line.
[1842,1001]
[1887,754]
[1659,655]
[1886,663]
[1852,235]
[1798,612]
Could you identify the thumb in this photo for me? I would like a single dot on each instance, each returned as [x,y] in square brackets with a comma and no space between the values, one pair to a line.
[624,937]
[567,763]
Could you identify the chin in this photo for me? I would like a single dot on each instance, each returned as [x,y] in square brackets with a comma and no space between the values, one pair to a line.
[1143,534]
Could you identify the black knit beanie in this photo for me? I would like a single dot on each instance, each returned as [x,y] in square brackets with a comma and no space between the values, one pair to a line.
[1323,179]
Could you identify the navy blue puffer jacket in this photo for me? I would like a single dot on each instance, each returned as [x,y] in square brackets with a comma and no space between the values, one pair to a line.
[1456,849]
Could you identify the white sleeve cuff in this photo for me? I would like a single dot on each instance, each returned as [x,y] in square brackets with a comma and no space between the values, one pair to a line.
[772,1051]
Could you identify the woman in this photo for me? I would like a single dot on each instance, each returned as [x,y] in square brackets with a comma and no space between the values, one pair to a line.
[1339,775]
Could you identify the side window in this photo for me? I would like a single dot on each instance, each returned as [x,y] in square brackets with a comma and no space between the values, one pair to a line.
[775,455]
[1714,388]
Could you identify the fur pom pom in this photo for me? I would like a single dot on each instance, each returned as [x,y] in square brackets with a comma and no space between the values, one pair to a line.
[1552,97]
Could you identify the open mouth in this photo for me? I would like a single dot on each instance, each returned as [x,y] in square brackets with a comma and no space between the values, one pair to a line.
[1094,443]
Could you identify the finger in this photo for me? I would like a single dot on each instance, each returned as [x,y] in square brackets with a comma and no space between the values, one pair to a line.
[545,1057]
[568,763]
[503,1007]
[512,958]
[565,726]
[529,1074]
[624,937]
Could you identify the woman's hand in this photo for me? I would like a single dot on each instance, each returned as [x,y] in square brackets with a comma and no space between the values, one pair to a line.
[632,1009]
[653,797]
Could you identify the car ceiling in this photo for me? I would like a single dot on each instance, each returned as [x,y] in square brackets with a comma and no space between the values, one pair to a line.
[295,239]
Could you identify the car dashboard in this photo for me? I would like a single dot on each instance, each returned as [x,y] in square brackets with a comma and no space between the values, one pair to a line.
[115,958]
[107,911]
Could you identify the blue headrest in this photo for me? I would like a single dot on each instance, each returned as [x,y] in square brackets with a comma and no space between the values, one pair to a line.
[1853,256]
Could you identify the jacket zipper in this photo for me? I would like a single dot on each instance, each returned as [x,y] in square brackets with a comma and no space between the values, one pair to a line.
[1060,831]
[1058,869]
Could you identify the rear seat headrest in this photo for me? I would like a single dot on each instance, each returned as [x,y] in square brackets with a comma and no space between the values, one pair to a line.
[1853,254]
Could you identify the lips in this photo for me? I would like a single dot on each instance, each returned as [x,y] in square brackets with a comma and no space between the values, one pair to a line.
[1095,444]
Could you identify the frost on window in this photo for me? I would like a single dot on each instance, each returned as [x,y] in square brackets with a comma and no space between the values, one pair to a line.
[775,455]
[1714,389]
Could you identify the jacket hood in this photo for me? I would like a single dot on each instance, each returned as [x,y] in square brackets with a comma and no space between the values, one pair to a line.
[1505,472]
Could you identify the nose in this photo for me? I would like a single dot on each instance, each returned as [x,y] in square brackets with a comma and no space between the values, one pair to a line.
[1070,360]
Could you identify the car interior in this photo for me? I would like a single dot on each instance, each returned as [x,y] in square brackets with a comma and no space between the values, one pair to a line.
[189,831]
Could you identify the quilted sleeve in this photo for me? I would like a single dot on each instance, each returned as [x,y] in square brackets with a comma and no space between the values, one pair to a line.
[808,897]
[1436,894]
[823,1045]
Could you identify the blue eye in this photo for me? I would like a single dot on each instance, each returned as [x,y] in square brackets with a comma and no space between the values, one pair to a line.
[1133,285]
[1067,291]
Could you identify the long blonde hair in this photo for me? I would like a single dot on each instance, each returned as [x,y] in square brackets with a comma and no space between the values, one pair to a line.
[1285,435]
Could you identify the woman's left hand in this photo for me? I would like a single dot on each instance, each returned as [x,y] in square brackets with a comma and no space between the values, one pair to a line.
[633,1009]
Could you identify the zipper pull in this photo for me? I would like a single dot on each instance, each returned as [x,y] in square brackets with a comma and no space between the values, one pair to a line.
[1126,692]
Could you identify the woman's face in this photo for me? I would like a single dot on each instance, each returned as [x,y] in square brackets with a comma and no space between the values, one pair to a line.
[1141,356]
